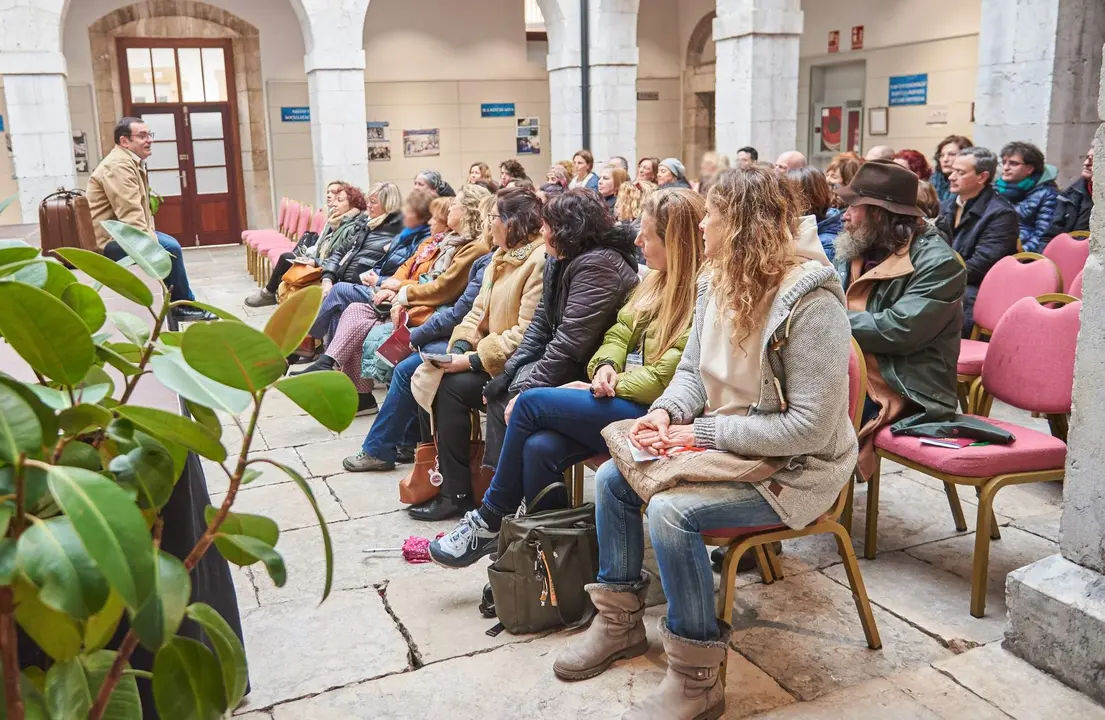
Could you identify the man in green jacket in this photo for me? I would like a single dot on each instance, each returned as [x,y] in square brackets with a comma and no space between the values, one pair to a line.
[905,290]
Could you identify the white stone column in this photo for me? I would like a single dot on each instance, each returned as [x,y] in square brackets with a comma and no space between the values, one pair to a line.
[1038,64]
[756,101]
[335,66]
[1057,605]
[613,77]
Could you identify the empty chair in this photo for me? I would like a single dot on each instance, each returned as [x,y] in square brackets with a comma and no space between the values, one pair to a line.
[1076,286]
[1070,254]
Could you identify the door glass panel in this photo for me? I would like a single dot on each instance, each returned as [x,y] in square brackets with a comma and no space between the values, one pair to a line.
[164,74]
[163,157]
[207,125]
[191,74]
[162,125]
[214,74]
[211,181]
[141,75]
[209,152]
[165,183]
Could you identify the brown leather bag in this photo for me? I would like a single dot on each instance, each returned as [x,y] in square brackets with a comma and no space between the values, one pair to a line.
[296,278]
[64,220]
[418,487]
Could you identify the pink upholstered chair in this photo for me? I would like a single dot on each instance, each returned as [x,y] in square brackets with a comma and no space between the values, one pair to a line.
[1070,254]
[1076,286]
[319,222]
[738,540]
[1010,279]
[291,220]
[304,223]
[1030,365]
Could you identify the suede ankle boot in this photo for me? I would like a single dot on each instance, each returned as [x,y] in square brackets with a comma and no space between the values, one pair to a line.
[692,688]
[616,633]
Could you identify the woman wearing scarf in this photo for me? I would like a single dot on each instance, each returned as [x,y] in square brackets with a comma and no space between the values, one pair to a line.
[432,182]
[436,274]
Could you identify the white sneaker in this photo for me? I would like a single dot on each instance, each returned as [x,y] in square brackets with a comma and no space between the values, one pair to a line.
[468,542]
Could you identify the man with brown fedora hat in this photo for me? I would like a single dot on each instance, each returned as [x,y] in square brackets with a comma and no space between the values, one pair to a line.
[904,288]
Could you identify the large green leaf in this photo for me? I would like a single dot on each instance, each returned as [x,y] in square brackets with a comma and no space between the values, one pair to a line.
[149,471]
[186,682]
[327,546]
[87,303]
[82,455]
[255,526]
[117,361]
[252,550]
[112,529]
[19,428]
[100,628]
[103,270]
[67,691]
[170,427]
[175,374]
[132,327]
[144,249]
[125,703]
[46,333]
[35,490]
[46,418]
[77,419]
[51,397]
[329,397]
[51,556]
[50,275]
[205,416]
[228,649]
[56,633]
[234,354]
[293,318]
[157,621]
[12,251]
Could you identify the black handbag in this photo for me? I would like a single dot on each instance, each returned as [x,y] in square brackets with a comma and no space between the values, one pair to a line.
[543,562]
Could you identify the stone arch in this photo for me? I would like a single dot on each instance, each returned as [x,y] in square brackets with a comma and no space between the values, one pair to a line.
[194,19]
[699,82]
[702,39]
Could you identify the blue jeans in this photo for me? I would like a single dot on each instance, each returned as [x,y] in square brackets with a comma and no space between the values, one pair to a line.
[341,296]
[177,279]
[550,430]
[397,423]
[676,519]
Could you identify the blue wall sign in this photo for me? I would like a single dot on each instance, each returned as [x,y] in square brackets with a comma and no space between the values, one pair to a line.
[497,110]
[295,114]
[909,89]
[1,123]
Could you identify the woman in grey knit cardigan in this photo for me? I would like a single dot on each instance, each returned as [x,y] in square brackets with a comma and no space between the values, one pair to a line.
[732,392]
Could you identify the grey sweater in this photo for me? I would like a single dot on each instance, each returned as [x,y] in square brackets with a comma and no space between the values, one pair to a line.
[814,432]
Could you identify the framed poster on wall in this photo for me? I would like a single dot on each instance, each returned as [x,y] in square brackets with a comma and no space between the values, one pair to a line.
[421,143]
[878,122]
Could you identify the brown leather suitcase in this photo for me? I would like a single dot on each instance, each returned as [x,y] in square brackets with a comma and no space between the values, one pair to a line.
[64,220]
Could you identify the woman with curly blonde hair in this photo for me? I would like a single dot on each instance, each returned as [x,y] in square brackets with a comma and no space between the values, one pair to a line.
[632,196]
[764,375]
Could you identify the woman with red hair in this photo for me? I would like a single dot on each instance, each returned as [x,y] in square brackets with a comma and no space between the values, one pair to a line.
[915,161]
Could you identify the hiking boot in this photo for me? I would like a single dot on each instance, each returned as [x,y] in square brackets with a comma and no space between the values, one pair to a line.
[363,462]
[746,563]
[366,404]
[468,542]
[324,362]
[692,688]
[262,298]
[191,313]
[404,455]
[616,633]
[439,508]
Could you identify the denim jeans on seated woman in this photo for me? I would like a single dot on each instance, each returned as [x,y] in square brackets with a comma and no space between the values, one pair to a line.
[676,519]
[550,430]
[396,425]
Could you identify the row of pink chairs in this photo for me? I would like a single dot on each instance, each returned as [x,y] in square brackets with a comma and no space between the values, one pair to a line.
[264,247]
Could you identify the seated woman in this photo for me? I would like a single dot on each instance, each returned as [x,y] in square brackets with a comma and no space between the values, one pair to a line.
[552,429]
[434,275]
[583,162]
[590,270]
[479,171]
[557,174]
[672,174]
[840,172]
[647,168]
[816,198]
[610,181]
[432,182]
[349,214]
[736,391]
[632,196]
[485,339]
[354,278]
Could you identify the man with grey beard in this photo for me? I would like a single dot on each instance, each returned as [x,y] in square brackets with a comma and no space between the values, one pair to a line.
[904,289]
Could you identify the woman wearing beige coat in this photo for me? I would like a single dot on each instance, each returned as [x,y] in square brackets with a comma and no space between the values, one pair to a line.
[481,345]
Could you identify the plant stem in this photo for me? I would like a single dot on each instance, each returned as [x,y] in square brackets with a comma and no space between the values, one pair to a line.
[13,699]
[147,352]
[130,642]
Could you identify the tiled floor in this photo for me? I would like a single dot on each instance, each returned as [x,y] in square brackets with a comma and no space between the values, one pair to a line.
[406,641]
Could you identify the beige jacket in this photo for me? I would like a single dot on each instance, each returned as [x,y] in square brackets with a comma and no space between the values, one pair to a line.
[505,306]
[119,190]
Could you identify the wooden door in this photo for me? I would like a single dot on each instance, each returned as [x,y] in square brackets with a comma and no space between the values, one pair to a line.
[166,174]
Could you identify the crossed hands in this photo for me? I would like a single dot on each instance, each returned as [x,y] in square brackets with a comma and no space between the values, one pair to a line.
[655,434]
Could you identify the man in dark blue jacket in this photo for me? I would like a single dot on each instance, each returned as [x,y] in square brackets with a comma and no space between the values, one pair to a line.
[1074,205]
[1029,184]
[395,432]
[982,225]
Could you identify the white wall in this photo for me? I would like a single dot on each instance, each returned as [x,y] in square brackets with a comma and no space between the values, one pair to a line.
[886,22]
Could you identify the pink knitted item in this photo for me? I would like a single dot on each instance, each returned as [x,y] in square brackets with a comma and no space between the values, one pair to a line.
[416,550]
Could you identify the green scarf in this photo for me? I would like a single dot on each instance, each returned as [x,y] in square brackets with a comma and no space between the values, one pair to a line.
[336,231]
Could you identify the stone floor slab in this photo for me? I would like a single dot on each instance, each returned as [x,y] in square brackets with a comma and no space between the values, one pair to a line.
[925,595]
[300,648]
[286,504]
[297,430]
[324,458]
[1015,549]
[244,588]
[805,633]
[1016,687]
[217,482]
[366,494]
[1046,525]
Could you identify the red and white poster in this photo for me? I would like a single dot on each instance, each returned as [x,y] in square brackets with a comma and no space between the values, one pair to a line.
[857,37]
[831,120]
[834,41]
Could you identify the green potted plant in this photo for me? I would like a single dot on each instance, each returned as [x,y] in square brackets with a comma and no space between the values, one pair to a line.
[85,472]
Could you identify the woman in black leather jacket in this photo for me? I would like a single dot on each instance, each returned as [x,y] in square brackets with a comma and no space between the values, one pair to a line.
[358,253]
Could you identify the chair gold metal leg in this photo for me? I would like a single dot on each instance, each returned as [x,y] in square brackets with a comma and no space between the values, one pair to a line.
[773,563]
[859,590]
[725,597]
[871,532]
[995,531]
[956,506]
[765,568]
[577,484]
[981,562]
